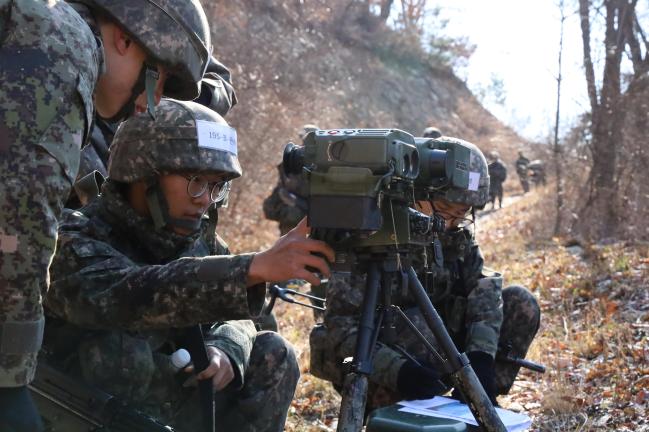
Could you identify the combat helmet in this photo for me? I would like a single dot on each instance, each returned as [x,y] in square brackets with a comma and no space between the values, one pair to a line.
[306,129]
[431,132]
[477,193]
[174,33]
[184,137]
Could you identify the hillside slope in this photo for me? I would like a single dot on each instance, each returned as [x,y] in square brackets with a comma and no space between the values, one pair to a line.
[291,68]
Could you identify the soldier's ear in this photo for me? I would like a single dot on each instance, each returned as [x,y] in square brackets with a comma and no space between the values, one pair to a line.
[121,40]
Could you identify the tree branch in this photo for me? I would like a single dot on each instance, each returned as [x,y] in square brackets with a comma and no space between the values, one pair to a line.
[588,61]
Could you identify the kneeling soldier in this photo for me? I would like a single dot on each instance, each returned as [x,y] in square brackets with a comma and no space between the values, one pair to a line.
[481,317]
[141,262]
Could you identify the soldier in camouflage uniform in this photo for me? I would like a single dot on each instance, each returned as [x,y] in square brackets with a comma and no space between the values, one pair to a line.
[141,261]
[280,206]
[497,176]
[60,63]
[536,169]
[479,316]
[521,169]
[217,93]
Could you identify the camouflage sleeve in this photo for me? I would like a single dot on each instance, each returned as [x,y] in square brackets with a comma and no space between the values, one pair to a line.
[95,286]
[45,104]
[344,300]
[484,310]
[217,92]
[234,338]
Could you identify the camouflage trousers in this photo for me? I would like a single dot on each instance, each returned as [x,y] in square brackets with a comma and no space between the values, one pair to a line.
[520,324]
[263,402]
[521,319]
[496,193]
[525,182]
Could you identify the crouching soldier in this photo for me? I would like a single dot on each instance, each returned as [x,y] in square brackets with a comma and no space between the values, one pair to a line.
[480,317]
[142,262]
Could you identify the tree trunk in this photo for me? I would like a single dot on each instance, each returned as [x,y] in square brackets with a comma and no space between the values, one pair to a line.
[386,7]
[557,147]
[607,114]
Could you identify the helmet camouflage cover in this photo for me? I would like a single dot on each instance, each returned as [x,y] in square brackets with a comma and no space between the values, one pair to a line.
[308,128]
[174,33]
[184,137]
[431,132]
[476,195]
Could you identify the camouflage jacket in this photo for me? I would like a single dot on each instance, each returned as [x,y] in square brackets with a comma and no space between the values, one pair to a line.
[467,297]
[497,171]
[124,288]
[113,269]
[521,165]
[50,61]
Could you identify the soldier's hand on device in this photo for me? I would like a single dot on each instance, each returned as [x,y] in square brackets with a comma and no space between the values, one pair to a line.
[290,256]
[220,370]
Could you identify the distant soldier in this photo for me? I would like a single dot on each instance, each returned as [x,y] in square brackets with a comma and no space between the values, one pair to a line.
[431,132]
[497,175]
[283,203]
[537,172]
[521,169]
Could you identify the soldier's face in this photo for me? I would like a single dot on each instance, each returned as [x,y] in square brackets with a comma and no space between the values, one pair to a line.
[453,213]
[124,59]
[181,204]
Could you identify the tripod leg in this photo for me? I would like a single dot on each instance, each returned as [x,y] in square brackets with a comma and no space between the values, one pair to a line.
[354,394]
[463,376]
[352,407]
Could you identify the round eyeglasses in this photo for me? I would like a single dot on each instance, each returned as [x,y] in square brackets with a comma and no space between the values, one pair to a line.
[197,186]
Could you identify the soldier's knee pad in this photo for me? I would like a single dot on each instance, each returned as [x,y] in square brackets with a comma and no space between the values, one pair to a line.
[277,351]
[520,305]
[521,318]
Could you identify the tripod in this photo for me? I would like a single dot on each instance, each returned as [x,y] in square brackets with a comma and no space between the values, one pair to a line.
[382,268]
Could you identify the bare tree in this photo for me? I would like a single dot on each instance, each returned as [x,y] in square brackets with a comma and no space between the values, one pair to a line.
[412,15]
[621,30]
[557,148]
[386,8]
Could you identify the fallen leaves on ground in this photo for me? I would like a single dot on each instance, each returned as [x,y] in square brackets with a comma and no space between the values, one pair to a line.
[593,336]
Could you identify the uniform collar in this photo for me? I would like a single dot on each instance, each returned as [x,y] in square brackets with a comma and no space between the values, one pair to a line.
[161,245]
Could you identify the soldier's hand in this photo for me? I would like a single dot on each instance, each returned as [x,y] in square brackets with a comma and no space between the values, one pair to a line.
[417,381]
[289,258]
[220,370]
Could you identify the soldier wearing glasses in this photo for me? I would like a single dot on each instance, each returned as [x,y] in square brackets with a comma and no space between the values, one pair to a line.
[141,261]
[479,315]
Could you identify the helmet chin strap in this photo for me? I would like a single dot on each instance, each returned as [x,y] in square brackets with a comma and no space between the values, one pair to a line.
[146,81]
[159,209]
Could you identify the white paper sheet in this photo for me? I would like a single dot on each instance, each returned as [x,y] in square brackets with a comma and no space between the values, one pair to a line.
[443,407]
